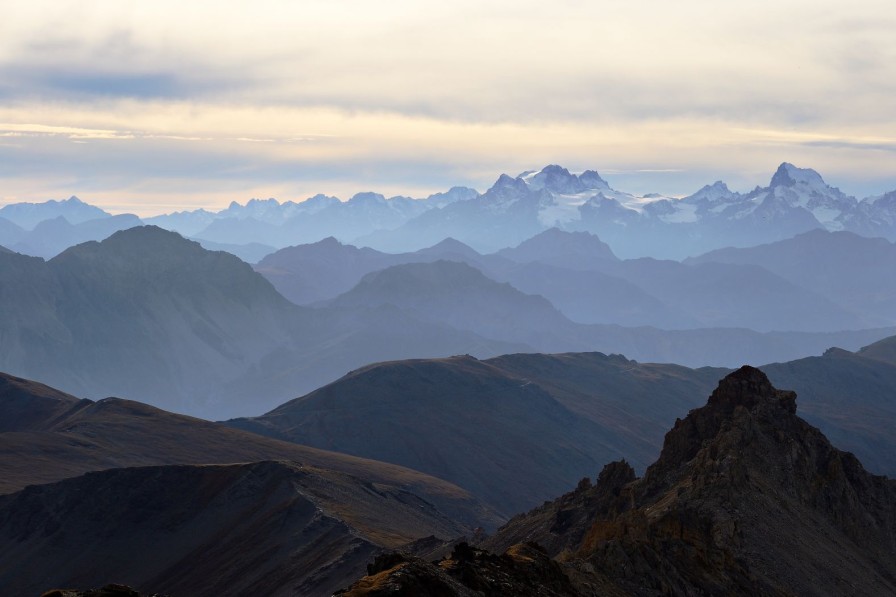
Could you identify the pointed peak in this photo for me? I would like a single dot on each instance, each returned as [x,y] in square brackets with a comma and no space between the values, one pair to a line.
[748,386]
[452,243]
[554,178]
[712,192]
[788,175]
[592,180]
[505,182]
[329,241]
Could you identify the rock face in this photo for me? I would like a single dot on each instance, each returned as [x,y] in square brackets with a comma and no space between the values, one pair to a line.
[749,498]
[745,499]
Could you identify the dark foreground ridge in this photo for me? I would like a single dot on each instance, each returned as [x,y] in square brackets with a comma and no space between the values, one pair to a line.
[745,499]
[112,590]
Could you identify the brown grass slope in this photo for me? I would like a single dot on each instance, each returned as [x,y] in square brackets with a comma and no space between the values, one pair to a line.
[48,436]
[501,437]
[265,528]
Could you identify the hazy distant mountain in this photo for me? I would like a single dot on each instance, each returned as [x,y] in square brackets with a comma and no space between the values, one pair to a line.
[240,231]
[150,315]
[318,271]
[459,295]
[323,270]
[595,297]
[10,233]
[795,201]
[290,223]
[666,293]
[250,253]
[185,223]
[503,216]
[51,237]
[29,215]
[514,209]
[569,250]
[580,276]
[853,271]
[736,295]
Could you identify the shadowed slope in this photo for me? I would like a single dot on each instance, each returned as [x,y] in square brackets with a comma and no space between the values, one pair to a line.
[268,528]
[50,436]
[502,438]
[511,430]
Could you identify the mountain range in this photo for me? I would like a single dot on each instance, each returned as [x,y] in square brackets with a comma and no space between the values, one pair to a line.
[796,200]
[516,429]
[700,519]
[513,209]
[584,280]
[745,498]
[150,315]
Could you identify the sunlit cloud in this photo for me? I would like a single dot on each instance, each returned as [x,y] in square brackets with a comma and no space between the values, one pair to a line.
[227,100]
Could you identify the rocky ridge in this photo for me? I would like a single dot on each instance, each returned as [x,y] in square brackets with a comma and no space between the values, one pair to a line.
[746,498]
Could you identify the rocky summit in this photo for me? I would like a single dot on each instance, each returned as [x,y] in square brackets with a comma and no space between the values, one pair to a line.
[746,498]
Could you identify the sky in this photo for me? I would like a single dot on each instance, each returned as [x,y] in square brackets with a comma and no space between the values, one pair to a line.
[153,107]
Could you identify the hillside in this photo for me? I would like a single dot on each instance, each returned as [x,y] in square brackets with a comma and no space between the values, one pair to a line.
[272,528]
[48,436]
[500,437]
[468,421]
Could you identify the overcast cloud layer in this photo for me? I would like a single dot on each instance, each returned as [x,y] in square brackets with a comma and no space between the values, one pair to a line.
[151,107]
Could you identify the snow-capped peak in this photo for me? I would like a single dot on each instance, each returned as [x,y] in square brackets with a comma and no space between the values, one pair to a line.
[592,180]
[712,193]
[788,175]
[557,179]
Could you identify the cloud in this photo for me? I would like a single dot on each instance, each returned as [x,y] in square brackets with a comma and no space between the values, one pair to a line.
[254,98]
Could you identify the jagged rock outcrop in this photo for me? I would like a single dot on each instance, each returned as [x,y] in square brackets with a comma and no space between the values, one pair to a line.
[745,499]
[525,570]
